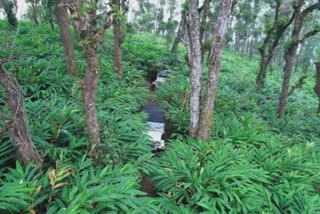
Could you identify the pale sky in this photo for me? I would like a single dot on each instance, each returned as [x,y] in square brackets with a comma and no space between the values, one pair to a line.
[22,8]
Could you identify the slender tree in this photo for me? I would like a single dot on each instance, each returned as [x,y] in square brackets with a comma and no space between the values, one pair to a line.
[273,35]
[120,8]
[201,113]
[317,86]
[17,126]
[207,107]
[85,22]
[181,31]
[62,15]
[299,18]
[8,7]
[203,13]
[34,11]
[195,65]
[205,9]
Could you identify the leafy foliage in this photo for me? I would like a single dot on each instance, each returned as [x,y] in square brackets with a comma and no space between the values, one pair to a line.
[254,163]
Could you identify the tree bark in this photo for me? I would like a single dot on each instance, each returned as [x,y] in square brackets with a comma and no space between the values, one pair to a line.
[263,65]
[117,40]
[61,14]
[35,13]
[214,68]
[317,86]
[291,52]
[89,86]
[297,85]
[270,42]
[180,33]
[18,129]
[195,65]
[89,36]
[203,25]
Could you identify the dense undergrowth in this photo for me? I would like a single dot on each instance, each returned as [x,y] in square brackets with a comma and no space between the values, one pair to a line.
[254,162]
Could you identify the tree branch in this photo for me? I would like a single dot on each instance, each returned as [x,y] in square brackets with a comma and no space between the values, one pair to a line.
[297,85]
[107,22]
[309,34]
[310,9]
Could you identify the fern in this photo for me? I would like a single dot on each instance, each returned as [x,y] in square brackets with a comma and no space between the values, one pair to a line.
[19,189]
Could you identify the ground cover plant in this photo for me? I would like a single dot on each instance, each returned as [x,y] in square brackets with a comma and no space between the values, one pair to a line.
[278,157]
[253,162]
[56,121]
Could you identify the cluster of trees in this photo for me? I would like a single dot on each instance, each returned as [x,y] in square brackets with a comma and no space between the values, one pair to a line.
[275,29]
[271,39]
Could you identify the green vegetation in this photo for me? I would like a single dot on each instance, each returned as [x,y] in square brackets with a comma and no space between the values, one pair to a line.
[253,163]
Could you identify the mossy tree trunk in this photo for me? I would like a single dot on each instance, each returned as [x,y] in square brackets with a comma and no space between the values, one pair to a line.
[195,65]
[89,85]
[290,55]
[201,113]
[180,33]
[18,129]
[61,14]
[207,107]
[317,86]
[120,8]
[269,45]
[89,35]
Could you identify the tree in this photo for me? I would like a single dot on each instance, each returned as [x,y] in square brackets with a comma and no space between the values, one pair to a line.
[89,34]
[281,22]
[17,126]
[207,108]
[48,7]
[8,7]
[34,11]
[245,26]
[146,16]
[195,65]
[317,86]
[201,119]
[61,14]
[182,34]
[299,18]
[171,24]
[181,31]
[120,8]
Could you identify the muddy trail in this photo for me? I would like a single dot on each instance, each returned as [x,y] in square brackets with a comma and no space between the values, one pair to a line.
[155,114]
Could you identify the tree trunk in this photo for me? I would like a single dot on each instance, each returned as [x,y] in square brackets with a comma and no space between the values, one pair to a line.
[287,70]
[35,13]
[291,52]
[180,33]
[203,24]
[317,86]
[270,42]
[214,68]
[8,8]
[89,86]
[18,129]
[117,40]
[195,65]
[63,22]
[264,62]
[89,35]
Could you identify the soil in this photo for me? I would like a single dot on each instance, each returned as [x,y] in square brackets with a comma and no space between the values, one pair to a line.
[147,186]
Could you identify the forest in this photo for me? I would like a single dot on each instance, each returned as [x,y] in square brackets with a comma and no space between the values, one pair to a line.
[237,81]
